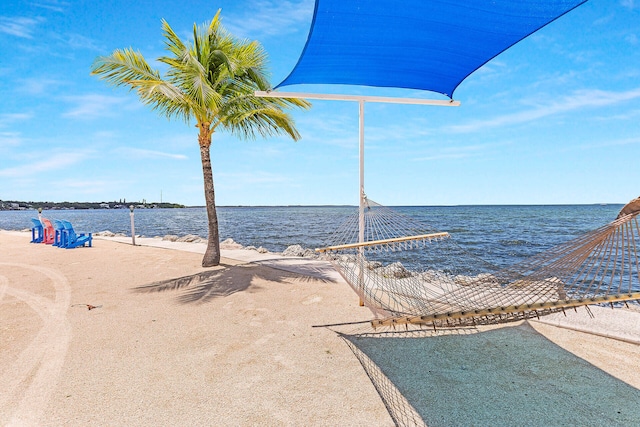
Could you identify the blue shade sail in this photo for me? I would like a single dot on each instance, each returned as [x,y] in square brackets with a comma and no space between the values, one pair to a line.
[414,44]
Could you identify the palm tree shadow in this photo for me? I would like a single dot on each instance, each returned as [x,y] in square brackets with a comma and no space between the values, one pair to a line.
[324,273]
[221,282]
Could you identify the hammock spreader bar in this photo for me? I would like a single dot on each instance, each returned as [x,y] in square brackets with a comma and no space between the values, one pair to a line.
[430,236]
[455,317]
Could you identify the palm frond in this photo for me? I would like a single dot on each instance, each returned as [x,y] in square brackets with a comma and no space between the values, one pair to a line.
[164,97]
[172,42]
[122,67]
[249,116]
[129,68]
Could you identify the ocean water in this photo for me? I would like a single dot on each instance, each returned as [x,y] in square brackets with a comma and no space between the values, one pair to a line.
[501,235]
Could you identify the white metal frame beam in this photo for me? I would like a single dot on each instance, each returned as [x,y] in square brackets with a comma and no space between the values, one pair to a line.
[357,98]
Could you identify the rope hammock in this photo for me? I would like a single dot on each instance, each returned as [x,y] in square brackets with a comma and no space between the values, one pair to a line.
[459,289]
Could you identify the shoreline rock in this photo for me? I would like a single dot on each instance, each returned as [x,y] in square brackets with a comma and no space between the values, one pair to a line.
[227,244]
[299,251]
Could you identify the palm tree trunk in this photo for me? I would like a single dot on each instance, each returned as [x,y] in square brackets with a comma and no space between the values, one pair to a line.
[212,254]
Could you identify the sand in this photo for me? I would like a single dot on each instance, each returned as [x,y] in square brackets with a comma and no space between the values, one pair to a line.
[236,350]
[229,346]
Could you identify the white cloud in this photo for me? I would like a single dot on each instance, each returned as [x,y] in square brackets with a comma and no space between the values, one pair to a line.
[106,135]
[88,186]
[38,86]
[77,41]
[54,5]
[181,141]
[19,26]
[627,115]
[345,142]
[10,118]
[10,139]
[271,18]
[73,41]
[443,156]
[141,153]
[93,106]
[459,152]
[53,162]
[255,177]
[613,143]
[579,99]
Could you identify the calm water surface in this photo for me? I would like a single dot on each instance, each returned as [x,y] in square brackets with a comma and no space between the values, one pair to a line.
[500,234]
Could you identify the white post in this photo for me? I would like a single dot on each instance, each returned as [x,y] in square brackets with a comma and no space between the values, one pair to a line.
[41,224]
[361,223]
[362,194]
[133,228]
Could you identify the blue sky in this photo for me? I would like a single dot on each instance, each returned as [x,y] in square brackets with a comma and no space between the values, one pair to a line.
[553,120]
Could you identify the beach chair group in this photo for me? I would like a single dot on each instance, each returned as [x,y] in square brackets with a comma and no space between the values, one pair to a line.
[60,234]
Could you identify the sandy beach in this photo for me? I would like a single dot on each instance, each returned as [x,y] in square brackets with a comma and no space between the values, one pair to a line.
[238,349]
[141,335]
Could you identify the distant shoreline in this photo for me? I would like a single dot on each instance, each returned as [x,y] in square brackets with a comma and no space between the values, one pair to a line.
[18,205]
[419,206]
[14,205]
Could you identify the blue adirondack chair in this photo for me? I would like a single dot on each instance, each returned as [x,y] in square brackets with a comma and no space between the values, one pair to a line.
[73,240]
[37,232]
[60,234]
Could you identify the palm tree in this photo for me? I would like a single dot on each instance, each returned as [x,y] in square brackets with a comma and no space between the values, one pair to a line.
[211,81]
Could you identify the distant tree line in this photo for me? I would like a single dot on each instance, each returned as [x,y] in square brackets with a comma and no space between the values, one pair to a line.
[18,205]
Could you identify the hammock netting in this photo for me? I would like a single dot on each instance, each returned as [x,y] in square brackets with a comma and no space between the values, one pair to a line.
[454,288]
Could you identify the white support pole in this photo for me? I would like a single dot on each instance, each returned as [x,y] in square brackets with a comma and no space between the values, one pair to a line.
[361,223]
[362,193]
